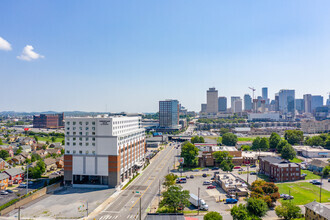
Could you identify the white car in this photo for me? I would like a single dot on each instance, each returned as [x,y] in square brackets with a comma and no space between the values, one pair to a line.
[3,193]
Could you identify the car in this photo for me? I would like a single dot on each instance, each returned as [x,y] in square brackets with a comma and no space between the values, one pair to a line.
[207,183]
[313,181]
[237,167]
[196,170]
[22,185]
[253,166]
[304,174]
[328,180]
[215,168]
[205,169]
[231,200]
[253,173]
[204,175]
[288,197]
[318,183]
[3,193]
[192,177]
[212,178]
[241,169]
[181,180]
[9,191]
[211,187]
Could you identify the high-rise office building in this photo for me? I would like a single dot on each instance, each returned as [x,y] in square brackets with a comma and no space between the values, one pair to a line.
[277,102]
[328,101]
[102,150]
[300,105]
[238,106]
[308,103]
[287,102]
[48,121]
[265,95]
[232,100]
[247,102]
[222,104]
[317,101]
[212,101]
[169,114]
[203,107]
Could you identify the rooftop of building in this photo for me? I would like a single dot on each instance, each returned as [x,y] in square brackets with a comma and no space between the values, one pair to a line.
[309,148]
[321,209]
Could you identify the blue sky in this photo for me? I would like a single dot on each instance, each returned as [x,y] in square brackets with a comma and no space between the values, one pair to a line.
[128,55]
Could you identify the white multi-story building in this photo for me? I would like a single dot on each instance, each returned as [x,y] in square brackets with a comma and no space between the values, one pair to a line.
[212,101]
[102,150]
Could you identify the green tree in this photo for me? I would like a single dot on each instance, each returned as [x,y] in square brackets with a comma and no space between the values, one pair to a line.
[326,171]
[170,180]
[36,138]
[274,140]
[229,139]
[294,136]
[197,139]
[212,216]
[175,197]
[4,154]
[62,151]
[1,142]
[224,159]
[256,143]
[240,212]
[245,148]
[63,143]
[19,150]
[267,191]
[327,142]
[288,211]
[315,141]
[280,145]
[264,144]
[257,207]
[53,139]
[288,153]
[189,152]
[223,131]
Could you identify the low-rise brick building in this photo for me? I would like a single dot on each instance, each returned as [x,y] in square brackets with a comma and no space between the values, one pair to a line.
[4,179]
[315,210]
[16,175]
[279,170]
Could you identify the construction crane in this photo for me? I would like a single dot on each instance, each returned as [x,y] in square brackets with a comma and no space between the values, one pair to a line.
[253,89]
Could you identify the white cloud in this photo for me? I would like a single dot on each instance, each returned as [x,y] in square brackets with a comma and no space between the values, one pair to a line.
[28,54]
[4,45]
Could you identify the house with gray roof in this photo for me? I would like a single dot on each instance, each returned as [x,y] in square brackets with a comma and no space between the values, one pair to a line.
[315,210]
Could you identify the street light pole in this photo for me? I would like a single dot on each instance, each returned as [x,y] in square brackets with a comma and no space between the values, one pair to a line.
[198,201]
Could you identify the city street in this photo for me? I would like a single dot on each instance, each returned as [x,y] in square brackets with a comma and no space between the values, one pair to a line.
[127,205]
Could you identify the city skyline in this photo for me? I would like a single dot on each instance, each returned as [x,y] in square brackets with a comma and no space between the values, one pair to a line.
[114,57]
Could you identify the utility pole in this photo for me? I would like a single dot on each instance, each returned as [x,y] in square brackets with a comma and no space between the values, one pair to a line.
[87,208]
[321,188]
[290,195]
[198,201]
[159,193]
[27,178]
[19,213]
[140,209]
[248,173]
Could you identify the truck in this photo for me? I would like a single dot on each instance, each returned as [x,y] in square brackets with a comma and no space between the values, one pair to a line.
[231,200]
[194,200]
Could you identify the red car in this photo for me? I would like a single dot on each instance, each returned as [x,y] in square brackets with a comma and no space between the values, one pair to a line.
[237,167]
[211,187]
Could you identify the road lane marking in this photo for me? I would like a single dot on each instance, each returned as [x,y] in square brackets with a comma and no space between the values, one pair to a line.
[151,181]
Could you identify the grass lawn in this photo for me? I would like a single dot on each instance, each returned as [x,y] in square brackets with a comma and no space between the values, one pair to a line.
[238,139]
[49,139]
[310,175]
[264,177]
[303,192]
[296,160]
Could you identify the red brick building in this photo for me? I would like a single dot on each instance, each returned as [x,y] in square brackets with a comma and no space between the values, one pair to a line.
[279,170]
[16,175]
[48,121]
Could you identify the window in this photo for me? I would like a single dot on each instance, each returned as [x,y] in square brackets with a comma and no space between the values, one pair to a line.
[80,133]
[87,144]
[93,133]
[80,122]
[67,133]
[86,133]
[68,123]
[87,128]
[74,123]
[74,128]
[87,139]
[93,144]
[93,139]
[93,128]
[93,152]
[67,151]
[87,152]
[87,123]
[74,143]
[80,144]
[80,139]
[68,143]
[74,139]
[93,123]
[74,133]
[67,128]
[74,152]
[80,128]
[80,151]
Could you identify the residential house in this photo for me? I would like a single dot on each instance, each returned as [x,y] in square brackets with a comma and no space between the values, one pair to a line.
[37,146]
[16,175]
[315,210]
[8,148]
[60,162]
[4,180]
[26,148]
[317,165]
[18,159]
[41,153]
[25,155]
[27,141]
[55,145]
[54,151]
[50,164]
[239,144]
[279,170]
[3,164]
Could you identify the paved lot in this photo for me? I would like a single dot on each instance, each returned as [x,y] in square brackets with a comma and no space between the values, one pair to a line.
[64,204]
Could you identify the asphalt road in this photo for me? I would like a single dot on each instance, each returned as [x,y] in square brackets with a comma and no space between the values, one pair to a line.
[145,187]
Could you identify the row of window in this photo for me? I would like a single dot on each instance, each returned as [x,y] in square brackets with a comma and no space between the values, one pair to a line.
[80,123]
[80,144]
[80,128]
[80,152]
[80,133]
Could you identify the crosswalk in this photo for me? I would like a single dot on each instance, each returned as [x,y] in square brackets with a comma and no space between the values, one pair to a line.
[112,217]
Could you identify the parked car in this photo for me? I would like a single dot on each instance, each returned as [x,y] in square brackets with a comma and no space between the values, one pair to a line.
[237,167]
[22,185]
[187,177]
[192,177]
[9,191]
[317,183]
[211,187]
[288,197]
[212,178]
[253,166]
[204,175]
[205,169]
[3,193]
[253,173]
[241,169]
[215,168]
[196,170]
[283,195]
[328,180]
[231,200]
[207,183]
[304,174]
[181,180]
